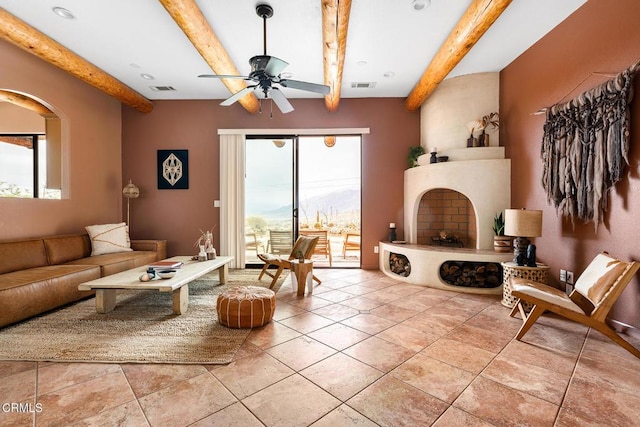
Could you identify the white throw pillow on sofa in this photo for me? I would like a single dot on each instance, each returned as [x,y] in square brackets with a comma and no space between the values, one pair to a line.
[109,238]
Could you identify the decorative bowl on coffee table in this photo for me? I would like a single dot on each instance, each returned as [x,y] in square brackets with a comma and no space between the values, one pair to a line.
[166,274]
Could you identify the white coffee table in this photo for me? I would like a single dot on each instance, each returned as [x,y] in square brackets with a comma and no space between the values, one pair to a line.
[106,287]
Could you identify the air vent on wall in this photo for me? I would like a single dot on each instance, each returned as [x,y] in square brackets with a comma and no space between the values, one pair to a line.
[162,88]
[363,85]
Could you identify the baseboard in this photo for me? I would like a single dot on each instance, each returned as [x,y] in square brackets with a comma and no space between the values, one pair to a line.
[624,328]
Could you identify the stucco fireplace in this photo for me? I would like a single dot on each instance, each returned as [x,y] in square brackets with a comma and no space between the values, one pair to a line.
[478,179]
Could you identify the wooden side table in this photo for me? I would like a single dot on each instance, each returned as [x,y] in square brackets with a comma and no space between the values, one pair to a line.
[539,274]
[303,272]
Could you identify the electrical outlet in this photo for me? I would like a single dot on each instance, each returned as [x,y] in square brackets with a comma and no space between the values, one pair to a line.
[570,277]
[563,275]
[568,288]
[375,250]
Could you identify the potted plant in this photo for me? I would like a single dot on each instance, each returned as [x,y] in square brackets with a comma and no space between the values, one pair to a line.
[414,153]
[501,243]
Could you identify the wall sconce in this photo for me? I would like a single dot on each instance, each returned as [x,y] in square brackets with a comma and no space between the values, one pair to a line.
[130,191]
[330,140]
[523,224]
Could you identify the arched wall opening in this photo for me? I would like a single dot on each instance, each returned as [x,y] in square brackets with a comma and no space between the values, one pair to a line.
[446,218]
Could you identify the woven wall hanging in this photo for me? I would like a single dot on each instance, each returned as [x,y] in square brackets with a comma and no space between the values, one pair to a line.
[585,148]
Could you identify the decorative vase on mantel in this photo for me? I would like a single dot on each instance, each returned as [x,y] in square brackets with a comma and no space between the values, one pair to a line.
[472,141]
[483,139]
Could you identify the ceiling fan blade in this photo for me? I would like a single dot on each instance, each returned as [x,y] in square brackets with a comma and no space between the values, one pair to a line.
[281,101]
[309,87]
[275,66]
[222,76]
[237,96]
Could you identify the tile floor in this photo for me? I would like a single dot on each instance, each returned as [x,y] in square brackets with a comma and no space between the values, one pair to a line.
[364,350]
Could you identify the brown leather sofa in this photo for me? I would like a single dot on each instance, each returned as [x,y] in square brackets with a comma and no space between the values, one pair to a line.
[40,274]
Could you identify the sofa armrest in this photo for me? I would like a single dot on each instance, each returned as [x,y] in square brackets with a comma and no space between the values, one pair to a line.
[158,246]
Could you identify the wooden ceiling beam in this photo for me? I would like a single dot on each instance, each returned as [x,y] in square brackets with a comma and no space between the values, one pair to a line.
[39,44]
[25,102]
[20,141]
[195,26]
[335,25]
[477,19]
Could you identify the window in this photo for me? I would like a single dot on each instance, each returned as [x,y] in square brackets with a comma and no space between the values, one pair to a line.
[23,167]
[30,148]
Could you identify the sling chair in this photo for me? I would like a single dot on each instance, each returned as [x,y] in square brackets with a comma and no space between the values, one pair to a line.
[595,292]
[304,245]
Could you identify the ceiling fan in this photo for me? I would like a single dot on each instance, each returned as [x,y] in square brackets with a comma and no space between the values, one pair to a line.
[265,73]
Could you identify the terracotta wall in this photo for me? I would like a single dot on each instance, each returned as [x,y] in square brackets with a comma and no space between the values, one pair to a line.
[20,120]
[600,37]
[177,215]
[91,145]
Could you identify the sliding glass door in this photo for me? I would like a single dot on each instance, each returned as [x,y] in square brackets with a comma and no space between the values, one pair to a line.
[306,185]
[329,197]
[269,201]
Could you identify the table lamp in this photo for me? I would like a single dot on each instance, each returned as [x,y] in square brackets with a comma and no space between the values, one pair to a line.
[522,224]
[130,191]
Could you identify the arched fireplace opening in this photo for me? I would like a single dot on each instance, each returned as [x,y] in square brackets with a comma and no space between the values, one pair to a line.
[446,218]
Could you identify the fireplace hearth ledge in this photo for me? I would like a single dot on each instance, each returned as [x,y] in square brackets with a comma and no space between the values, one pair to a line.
[426,261]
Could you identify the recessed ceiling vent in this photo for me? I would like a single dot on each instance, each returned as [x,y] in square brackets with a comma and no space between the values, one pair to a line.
[363,85]
[162,88]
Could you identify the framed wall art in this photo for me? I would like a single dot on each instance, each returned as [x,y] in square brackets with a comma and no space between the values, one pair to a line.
[173,169]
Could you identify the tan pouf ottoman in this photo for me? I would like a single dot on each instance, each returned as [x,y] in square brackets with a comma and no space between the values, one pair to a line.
[246,306]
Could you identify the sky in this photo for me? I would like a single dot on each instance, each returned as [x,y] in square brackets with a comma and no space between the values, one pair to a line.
[322,170]
[16,164]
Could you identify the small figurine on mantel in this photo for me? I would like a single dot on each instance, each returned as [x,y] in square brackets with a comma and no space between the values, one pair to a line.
[434,155]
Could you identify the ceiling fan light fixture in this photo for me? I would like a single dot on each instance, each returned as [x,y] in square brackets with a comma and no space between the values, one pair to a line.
[266,73]
[63,13]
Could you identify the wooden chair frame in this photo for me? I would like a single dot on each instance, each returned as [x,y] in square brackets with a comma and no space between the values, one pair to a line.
[324,244]
[351,243]
[575,307]
[285,263]
[251,242]
[279,242]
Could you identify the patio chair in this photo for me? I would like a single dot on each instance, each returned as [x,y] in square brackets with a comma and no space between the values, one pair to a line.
[304,244]
[351,243]
[595,292]
[279,242]
[251,242]
[323,248]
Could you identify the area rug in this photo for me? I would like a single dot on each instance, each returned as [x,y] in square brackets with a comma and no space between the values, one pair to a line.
[141,329]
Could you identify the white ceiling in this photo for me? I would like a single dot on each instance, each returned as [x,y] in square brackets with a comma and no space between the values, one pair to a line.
[127,38]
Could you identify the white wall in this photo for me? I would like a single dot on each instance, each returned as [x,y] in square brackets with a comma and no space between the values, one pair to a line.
[457,101]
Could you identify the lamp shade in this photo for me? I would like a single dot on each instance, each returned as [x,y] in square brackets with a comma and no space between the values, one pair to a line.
[522,223]
[130,191]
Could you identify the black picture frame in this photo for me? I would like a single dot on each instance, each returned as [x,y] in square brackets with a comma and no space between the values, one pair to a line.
[173,169]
